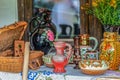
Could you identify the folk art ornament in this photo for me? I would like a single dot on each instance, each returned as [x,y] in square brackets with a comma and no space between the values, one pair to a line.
[110,50]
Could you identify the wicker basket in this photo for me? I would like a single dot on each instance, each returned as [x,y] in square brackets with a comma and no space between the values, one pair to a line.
[8,63]
[35,60]
[15,64]
[10,33]
[11,64]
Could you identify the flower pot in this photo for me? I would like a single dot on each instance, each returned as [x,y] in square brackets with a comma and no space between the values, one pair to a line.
[108,28]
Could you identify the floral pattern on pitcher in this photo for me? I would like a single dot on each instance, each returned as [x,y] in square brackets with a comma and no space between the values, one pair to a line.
[109,50]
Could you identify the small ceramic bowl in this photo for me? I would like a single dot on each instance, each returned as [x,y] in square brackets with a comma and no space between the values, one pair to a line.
[47,60]
[93,67]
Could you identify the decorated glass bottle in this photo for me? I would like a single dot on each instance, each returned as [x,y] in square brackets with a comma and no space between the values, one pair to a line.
[110,50]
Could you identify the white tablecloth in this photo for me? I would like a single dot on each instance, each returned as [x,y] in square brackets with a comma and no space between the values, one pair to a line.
[45,73]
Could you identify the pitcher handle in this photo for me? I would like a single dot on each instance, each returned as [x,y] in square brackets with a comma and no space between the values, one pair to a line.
[96,42]
[69,53]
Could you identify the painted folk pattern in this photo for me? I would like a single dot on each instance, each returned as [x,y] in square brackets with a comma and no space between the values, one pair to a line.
[109,51]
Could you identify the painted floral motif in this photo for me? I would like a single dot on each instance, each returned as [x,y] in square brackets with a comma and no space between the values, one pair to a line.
[50,35]
[109,50]
[45,75]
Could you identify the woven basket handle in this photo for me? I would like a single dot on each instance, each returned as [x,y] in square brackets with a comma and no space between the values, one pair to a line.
[24,24]
[34,64]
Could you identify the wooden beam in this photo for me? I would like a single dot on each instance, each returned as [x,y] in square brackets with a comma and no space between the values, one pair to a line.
[28,9]
[21,10]
[83,18]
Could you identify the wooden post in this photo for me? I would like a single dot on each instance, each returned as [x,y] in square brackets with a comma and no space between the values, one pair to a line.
[83,18]
[26,61]
[95,27]
[25,13]
[21,10]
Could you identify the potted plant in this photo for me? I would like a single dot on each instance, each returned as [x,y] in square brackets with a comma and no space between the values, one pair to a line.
[106,11]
